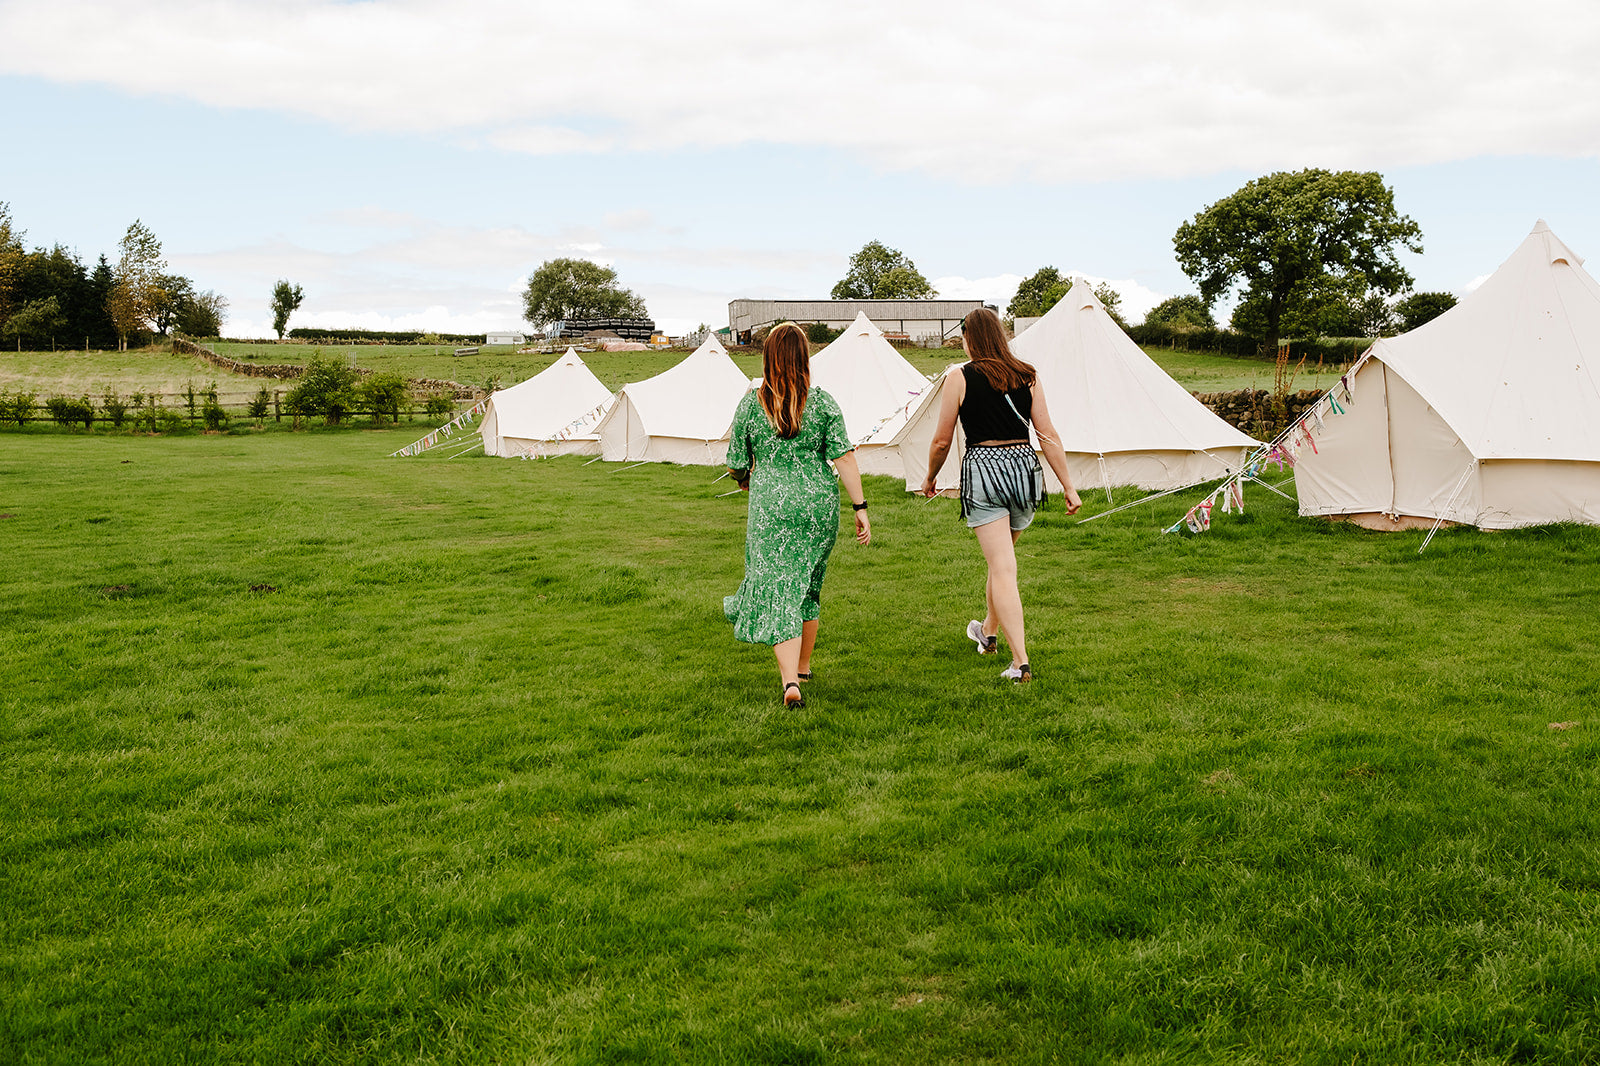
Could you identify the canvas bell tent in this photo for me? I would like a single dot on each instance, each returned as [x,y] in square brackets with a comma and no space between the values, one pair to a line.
[552,413]
[1122,419]
[681,415]
[876,389]
[1489,415]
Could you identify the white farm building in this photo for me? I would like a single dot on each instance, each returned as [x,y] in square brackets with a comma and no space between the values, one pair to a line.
[921,321]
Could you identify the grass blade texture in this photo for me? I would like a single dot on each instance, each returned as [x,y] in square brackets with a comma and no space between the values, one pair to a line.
[312,755]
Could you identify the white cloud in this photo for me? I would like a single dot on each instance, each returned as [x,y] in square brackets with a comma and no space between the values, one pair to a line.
[1137,299]
[471,280]
[1033,89]
[997,290]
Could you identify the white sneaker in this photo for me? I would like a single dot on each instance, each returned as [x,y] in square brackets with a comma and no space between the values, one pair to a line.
[984,641]
[1017,672]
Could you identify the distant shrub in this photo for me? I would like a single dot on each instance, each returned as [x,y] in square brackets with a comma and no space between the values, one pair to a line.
[18,407]
[68,410]
[382,394]
[327,387]
[211,412]
[153,417]
[260,405]
[114,406]
[822,333]
[440,405]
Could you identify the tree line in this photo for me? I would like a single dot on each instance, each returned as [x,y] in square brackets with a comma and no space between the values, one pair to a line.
[49,296]
[1310,253]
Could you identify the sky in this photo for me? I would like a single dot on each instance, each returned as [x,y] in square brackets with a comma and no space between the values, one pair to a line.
[409,163]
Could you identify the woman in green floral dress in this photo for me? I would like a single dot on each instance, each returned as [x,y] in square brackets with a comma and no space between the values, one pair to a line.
[784,434]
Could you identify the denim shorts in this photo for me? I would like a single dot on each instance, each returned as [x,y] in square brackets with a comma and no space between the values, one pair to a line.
[981,514]
[999,481]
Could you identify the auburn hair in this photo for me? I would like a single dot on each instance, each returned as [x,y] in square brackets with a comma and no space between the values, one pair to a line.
[785,378]
[991,355]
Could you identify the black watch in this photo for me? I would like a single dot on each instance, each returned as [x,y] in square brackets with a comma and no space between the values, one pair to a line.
[862,506]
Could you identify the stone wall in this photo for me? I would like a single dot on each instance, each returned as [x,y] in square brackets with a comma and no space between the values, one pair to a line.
[288,371]
[1253,411]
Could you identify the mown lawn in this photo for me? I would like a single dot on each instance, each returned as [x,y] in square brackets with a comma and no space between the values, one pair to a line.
[311,755]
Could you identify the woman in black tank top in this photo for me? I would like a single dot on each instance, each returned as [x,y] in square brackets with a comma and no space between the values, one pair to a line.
[996,398]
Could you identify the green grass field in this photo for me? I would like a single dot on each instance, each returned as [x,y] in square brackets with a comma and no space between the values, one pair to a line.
[311,755]
[78,373]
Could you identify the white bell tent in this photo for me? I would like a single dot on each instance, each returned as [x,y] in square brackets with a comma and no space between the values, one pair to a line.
[681,415]
[1122,419]
[552,413]
[1488,416]
[876,388]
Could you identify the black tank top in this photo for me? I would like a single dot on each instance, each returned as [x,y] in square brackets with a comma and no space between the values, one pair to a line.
[985,415]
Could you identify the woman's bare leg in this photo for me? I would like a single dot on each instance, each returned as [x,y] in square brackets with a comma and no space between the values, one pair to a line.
[1000,592]
[808,644]
[991,623]
[788,656]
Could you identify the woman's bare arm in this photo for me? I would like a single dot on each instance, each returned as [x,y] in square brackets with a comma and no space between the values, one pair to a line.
[944,433]
[850,473]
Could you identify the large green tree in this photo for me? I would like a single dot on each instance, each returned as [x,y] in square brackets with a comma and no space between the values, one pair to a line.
[1288,235]
[36,321]
[202,314]
[1045,288]
[878,272]
[1422,307]
[286,300]
[565,289]
[1181,313]
[10,261]
[96,324]
[134,293]
[168,297]
[1038,292]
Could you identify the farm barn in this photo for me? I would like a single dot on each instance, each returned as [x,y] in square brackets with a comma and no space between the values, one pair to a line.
[915,320]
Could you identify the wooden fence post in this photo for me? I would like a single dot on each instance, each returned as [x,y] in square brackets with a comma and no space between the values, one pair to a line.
[277,412]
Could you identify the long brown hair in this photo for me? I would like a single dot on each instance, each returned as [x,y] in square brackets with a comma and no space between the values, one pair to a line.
[989,352]
[785,378]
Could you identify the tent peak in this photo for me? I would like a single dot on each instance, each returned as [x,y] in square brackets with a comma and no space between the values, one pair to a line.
[1082,295]
[1556,250]
[864,325]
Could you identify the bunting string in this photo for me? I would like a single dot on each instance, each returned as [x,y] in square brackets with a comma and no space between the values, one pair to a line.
[1282,451]
[445,431]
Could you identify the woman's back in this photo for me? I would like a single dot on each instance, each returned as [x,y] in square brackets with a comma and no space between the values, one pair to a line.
[985,414]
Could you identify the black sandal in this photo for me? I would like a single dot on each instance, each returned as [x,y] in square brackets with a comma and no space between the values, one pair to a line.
[799,701]
[805,676]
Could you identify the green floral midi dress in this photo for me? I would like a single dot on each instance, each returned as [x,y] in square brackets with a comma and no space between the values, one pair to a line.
[794,517]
